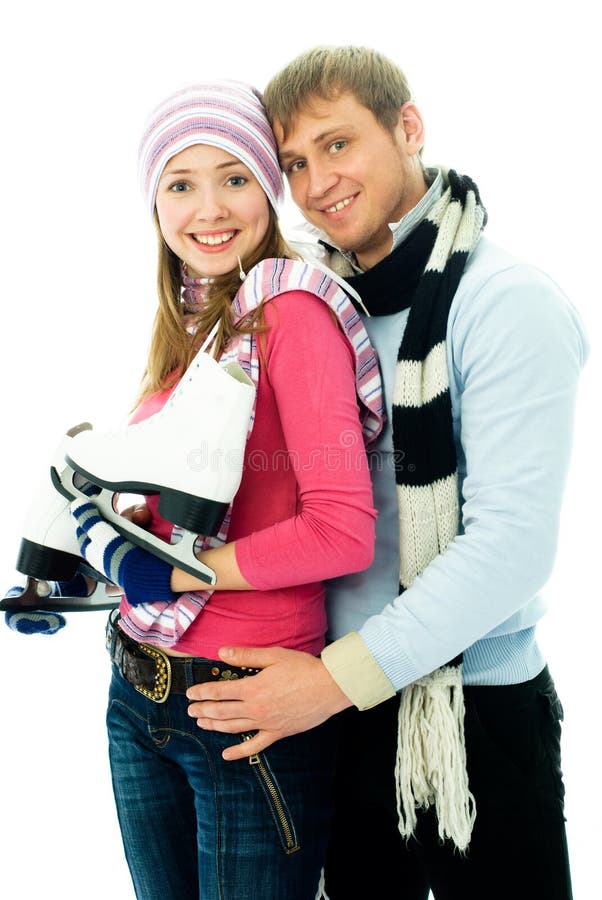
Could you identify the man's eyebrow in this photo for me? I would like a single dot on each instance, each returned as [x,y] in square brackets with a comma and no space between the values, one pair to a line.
[319,138]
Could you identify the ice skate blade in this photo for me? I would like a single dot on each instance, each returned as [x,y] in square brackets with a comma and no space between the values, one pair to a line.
[30,599]
[199,514]
[46,563]
[180,555]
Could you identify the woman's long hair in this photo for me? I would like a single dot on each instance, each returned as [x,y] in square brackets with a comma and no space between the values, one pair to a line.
[173,343]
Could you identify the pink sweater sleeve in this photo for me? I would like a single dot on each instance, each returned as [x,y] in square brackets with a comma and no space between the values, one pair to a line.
[311,368]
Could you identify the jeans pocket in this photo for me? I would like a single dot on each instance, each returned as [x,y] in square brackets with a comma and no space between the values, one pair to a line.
[274,797]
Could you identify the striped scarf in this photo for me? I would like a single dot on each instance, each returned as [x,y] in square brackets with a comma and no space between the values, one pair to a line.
[161,623]
[423,274]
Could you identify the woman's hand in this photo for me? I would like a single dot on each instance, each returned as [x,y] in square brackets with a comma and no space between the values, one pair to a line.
[139,514]
[143,576]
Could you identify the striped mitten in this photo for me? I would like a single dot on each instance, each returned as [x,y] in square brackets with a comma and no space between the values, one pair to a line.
[144,577]
[35,621]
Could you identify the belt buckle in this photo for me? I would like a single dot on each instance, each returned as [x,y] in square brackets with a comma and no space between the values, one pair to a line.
[162,685]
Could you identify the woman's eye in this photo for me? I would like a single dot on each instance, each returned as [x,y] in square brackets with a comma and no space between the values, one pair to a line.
[236,180]
[179,187]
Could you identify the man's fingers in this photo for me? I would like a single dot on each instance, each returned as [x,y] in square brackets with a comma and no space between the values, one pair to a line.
[216,691]
[207,711]
[255,744]
[228,726]
[252,657]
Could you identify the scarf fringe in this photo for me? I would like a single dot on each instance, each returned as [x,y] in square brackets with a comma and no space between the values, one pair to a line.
[321,892]
[431,756]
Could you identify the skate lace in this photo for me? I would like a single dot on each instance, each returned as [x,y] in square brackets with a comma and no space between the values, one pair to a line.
[187,377]
[195,364]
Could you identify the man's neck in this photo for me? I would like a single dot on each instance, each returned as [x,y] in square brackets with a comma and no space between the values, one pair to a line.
[414,194]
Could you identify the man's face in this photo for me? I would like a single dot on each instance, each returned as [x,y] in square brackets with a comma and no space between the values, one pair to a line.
[349,175]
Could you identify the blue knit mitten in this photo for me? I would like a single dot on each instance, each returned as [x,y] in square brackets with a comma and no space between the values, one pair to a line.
[43,621]
[33,621]
[144,577]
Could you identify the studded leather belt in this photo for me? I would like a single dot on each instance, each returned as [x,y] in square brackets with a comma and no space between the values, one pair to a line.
[157,675]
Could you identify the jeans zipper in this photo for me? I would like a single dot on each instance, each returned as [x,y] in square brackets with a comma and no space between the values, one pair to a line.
[273,795]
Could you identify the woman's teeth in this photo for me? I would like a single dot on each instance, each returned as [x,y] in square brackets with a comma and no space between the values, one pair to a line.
[213,239]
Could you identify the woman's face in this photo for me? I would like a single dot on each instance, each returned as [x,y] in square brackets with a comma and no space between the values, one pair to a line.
[211,210]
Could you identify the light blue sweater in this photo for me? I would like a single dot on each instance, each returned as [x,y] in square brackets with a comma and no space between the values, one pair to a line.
[515,348]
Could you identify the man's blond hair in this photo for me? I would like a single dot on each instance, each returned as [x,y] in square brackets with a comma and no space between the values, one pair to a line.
[327,72]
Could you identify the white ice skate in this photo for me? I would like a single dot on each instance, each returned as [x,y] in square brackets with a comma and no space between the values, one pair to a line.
[190,453]
[49,553]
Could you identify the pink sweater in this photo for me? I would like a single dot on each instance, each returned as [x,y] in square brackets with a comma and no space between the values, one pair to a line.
[304,510]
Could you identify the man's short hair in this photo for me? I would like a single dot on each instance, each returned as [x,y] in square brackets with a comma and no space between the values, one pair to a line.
[327,72]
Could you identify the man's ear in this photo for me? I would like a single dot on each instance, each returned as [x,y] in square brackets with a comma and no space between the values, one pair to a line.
[410,128]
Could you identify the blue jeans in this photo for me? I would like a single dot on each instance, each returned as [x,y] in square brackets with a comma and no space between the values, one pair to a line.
[194,825]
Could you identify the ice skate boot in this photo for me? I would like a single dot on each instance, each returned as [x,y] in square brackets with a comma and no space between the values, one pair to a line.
[50,558]
[49,548]
[190,453]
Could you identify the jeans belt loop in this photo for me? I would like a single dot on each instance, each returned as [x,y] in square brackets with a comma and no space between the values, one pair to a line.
[111,633]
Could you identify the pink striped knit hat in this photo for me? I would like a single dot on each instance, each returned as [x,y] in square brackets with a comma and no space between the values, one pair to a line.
[224,114]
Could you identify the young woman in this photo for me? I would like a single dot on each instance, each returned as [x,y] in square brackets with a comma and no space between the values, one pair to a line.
[193,824]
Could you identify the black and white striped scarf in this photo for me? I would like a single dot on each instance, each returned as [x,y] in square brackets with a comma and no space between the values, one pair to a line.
[423,274]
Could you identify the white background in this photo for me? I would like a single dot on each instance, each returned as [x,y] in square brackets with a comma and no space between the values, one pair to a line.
[510,93]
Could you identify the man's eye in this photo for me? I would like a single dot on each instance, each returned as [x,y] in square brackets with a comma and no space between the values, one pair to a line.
[336,146]
[296,166]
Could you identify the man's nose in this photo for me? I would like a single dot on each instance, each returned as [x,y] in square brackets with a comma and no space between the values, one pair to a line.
[321,180]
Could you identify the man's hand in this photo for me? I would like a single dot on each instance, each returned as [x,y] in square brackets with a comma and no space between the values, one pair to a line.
[293,693]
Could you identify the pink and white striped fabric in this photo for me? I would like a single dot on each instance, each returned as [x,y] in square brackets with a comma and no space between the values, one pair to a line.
[224,114]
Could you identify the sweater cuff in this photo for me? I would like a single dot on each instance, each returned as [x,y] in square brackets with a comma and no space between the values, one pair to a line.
[146,578]
[356,671]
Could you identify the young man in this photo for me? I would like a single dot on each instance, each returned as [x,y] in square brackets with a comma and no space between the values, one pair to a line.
[449,775]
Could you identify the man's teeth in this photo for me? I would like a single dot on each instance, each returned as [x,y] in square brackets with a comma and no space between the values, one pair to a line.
[340,205]
[213,239]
